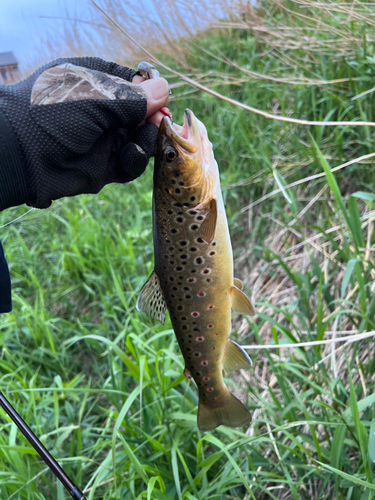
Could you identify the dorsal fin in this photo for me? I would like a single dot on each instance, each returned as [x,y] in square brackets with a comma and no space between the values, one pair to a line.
[238,283]
[208,226]
[151,300]
[240,302]
[235,358]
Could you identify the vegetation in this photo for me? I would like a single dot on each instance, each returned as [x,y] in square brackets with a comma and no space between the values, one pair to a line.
[103,385]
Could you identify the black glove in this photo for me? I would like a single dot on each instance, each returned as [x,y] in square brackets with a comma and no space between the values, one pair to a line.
[71,128]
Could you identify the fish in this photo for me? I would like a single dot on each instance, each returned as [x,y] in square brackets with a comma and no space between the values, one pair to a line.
[193,268]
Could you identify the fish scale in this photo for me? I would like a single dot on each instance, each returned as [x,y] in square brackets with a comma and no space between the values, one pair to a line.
[193,274]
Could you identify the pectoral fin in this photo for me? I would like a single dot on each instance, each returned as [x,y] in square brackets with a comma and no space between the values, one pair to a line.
[240,302]
[151,299]
[235,358]
[208,226]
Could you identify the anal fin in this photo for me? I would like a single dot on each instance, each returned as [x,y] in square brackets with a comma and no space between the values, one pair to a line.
[235,358]
[240,302]
[151,300]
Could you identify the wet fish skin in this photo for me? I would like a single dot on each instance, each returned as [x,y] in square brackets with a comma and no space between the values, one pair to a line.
[193,275]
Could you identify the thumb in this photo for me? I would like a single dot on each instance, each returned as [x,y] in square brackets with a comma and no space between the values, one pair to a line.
[157,94]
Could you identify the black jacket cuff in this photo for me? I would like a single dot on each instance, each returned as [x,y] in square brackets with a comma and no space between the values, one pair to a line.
[5,294]
[14,189]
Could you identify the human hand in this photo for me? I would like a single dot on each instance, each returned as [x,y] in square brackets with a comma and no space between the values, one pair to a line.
[79,124]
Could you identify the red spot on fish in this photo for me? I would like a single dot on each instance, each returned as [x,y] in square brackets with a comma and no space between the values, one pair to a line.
[195,314]
[188,296]
[201,294]
[200,339]
[197,354]
[206,378]
[204,363]
[208,280]
[210,389]
[206,271]
[210,326]
[191,280]
[211,306]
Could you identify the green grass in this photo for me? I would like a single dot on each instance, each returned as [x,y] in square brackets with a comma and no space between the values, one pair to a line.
[102,384]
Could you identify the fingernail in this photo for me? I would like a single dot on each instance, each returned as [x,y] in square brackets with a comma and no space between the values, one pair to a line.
[156,89]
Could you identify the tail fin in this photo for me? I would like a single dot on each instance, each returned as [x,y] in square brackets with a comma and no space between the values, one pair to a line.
[226,410]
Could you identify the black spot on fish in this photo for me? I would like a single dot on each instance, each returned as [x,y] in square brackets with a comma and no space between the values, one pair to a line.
[200,240]
[173,181]
[183,243]
[180,220]
[192,198]
[194,227]
[170,212]
[177,190]
[193,249]
[173,231]
[200,217]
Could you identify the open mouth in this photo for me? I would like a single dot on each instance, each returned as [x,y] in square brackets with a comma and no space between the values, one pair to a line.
[186,135]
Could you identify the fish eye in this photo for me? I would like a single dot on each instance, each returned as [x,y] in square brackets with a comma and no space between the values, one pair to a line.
[171,155]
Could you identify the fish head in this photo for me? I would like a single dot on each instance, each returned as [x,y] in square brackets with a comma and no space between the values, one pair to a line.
[184,162]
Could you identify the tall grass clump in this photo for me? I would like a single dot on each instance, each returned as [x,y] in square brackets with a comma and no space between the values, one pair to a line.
[102,384]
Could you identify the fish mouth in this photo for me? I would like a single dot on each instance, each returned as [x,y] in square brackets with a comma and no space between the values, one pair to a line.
[187,136]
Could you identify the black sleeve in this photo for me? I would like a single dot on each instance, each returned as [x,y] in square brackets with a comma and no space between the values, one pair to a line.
[5,295]
[14,185]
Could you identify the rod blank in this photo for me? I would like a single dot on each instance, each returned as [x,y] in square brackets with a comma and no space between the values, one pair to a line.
[75,492]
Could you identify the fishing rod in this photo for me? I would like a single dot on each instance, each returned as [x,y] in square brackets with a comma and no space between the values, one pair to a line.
[74,491]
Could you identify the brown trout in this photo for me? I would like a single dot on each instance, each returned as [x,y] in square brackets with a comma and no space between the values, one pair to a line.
[193,275]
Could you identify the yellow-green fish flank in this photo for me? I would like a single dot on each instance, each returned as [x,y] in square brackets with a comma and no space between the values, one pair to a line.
[193,275]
